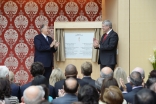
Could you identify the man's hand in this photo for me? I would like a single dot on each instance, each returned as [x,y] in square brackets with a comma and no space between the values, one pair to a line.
[56,44]
[53,43]
[123,84]
[95,43]
[61,93]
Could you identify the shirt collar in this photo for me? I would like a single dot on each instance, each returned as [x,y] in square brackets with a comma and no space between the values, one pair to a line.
[44,35]
[109,31]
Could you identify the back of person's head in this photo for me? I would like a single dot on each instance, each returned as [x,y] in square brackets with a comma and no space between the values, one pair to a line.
[145,96]
[106,72]
[71,71]
[152,74]
[70,85]
[88,95]
[37,68]
[136,78]
[11,76]
[98,84]
[113,95]
[140,70]
[151,84]
[107,82]
[33,94]
[5,90]
[4,72]
[56,76]
[86,69]
[120,73]
[40,79]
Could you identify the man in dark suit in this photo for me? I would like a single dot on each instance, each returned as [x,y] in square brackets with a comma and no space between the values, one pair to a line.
[86,70]
[136,82]
[141,71]
[70,71]
[45,46]
[37,68]
[67,95]
[107,46]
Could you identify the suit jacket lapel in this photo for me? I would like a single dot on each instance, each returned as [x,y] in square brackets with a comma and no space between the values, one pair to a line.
[108,36]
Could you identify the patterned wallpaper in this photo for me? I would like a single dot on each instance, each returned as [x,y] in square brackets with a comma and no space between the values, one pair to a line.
[20,21]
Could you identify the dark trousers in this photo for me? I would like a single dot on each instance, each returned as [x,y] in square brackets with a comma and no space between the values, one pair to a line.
[47,72]
[111,66]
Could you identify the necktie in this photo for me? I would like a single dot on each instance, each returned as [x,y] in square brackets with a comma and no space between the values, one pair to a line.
[105,36]
[47,38]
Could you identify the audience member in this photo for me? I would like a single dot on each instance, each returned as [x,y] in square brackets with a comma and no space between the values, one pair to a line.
[106,72]
[105,84]
[120,73]
[145,96]
[15,89]
[37,68]
[41,80]
[5,92]
[33,94]
[70,71]
[136,82]
[86,71]
[151,84]
[56,76]
[112,95]
[152,74]
[88,95]
[70,87]
[98,84]
[141,71]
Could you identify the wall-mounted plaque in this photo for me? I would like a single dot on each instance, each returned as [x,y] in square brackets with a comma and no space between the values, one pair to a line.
[78,44]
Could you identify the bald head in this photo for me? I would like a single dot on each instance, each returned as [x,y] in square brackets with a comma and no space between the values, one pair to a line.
[70,71]
[140,70]
[33,94]
[71,85]
[106,72]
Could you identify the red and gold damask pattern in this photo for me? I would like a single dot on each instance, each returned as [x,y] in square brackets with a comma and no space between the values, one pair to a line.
[20,21]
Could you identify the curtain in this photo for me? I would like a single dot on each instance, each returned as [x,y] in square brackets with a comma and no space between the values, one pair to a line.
[60,54]
[95,52]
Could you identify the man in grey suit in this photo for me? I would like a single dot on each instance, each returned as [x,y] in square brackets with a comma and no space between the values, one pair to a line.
[67,95]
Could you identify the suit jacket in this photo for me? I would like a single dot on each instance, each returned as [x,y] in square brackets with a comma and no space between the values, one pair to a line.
[51,89]
[66,99]
[89,80]
[129,87]
[43,51]
[130,96]
[59,85]
[15,90]
[107,50]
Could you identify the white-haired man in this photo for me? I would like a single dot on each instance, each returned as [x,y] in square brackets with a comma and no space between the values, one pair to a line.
[15,89]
